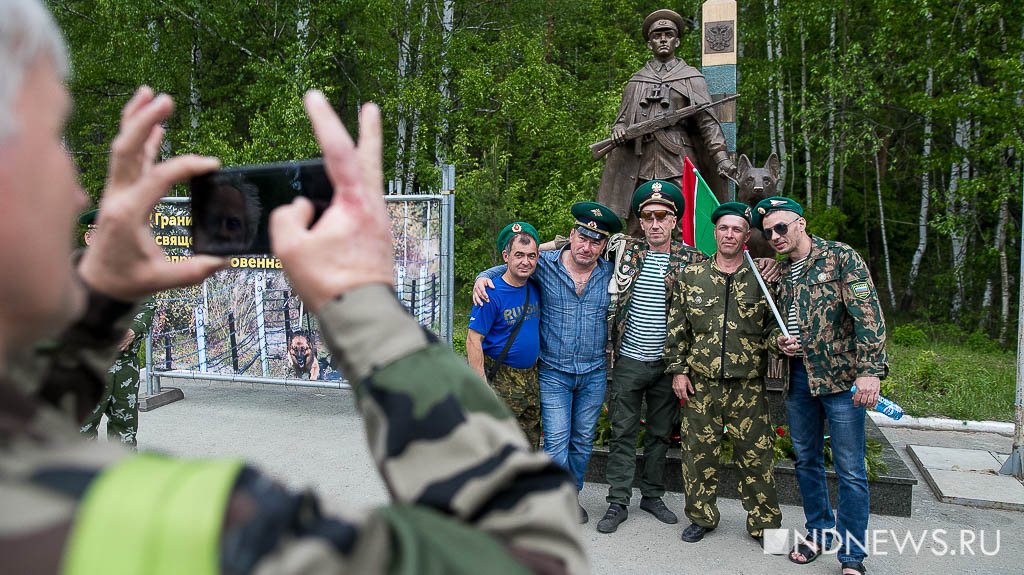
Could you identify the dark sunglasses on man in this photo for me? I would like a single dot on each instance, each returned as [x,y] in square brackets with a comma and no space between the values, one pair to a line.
[659,215]
[779,228]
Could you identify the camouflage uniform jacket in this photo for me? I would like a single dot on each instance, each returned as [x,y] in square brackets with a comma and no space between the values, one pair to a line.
[468,494]
[841,323]
[629,256]
[719,324]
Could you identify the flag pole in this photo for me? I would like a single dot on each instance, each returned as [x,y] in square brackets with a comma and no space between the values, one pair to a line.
[767,294]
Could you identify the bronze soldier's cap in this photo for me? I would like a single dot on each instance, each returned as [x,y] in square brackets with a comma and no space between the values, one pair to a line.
[660,19]
[88,218]
[516,228]
[595,221]
[659,192]
[731,209]
[774,204]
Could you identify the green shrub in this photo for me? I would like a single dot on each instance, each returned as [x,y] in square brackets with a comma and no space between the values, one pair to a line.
[980,341]
[909,334]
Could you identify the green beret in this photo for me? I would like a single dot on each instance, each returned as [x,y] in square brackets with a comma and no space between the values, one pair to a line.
[516,228]
[659,192]
[88,218]
[774,204]
[658,17]
[731,209]
[596,221]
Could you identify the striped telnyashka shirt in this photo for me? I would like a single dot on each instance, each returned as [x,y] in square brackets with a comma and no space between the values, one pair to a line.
[644,338]
[792,322]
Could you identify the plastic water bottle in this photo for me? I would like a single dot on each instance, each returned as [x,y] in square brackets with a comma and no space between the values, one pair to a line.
[885,406]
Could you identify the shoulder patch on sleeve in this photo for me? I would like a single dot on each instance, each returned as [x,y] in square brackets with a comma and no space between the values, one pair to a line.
[861,289]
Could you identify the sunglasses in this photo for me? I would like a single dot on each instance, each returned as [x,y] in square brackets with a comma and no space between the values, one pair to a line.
[659,215]
[779,228]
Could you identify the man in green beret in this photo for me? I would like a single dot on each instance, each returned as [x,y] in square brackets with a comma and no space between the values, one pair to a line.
[120,399]
[720,330]
[503,341]
[645,272]
[664,85]
[837,341]
[572,373]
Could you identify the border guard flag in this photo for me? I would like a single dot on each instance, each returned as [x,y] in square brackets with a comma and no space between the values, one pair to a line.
[696,227]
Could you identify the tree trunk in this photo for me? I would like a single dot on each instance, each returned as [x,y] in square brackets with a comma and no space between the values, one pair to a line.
[881,221]
[401,145]
[770,47]
[954,210]
[831,127]
[410,171]
[780,95]
[444,87]
[808,166]
[922,214]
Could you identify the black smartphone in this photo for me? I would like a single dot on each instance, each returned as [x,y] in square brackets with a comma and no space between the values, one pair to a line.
[231,207]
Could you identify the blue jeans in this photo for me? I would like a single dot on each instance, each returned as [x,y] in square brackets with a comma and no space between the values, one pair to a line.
[569,406]
[807,415]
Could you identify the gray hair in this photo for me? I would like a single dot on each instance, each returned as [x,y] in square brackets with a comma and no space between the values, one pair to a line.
[27,32]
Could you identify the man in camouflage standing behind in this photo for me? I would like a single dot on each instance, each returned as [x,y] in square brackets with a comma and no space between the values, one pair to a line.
[120,400]
[719,332]
[837,341]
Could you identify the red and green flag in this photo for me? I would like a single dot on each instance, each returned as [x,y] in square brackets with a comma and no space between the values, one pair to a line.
[696,226]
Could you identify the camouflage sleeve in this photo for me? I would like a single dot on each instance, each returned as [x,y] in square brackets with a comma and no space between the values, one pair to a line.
[677,344]
[75,365]
[861,300]
[492,273]
[144,319]
[454,460]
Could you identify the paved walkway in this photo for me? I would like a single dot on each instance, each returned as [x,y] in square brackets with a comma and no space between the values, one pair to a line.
[309,437]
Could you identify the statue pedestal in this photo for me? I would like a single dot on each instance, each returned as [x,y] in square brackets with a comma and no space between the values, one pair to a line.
[891,492]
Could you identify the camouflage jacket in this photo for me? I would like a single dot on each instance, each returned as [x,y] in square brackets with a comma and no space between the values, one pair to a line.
[469,496]
[629,255]
[719,324]
[141,323]
[841,323]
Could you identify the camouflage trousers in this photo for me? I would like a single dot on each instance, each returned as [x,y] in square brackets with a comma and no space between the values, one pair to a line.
[120,402]
[740,405]
[519,389]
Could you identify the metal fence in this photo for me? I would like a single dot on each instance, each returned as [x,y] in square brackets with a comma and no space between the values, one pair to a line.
[245,323]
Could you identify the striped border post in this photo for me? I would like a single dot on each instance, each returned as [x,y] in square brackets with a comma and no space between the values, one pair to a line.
[718,63]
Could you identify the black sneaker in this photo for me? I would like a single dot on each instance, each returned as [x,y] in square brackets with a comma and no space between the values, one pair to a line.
[656,507]
[584,516]
[695,533]
[616,514]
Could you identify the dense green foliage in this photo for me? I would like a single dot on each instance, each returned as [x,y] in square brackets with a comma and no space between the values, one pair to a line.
[531,83]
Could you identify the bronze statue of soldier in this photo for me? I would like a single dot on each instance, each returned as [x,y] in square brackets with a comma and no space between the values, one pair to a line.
[666,85]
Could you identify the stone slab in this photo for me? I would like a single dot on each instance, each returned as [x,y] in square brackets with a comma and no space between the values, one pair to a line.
[962,477]
[890,494]
[951,459]
[165,396]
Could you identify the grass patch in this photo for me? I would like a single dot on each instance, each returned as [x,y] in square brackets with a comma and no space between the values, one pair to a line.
[960,381]
[460,317]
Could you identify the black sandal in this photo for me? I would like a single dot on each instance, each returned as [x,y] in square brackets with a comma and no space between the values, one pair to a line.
[855,565]
[806,550]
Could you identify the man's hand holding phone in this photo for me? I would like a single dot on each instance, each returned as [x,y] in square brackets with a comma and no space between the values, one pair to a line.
[350,245]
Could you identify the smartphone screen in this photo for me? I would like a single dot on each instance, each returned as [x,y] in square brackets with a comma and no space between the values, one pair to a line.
[231,207]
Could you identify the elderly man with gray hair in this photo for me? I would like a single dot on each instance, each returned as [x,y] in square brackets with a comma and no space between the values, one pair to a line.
[470,496]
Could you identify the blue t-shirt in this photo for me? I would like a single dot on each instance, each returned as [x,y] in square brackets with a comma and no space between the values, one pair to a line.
[496,318]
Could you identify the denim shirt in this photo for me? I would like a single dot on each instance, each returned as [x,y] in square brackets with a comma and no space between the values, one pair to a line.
[573,329]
